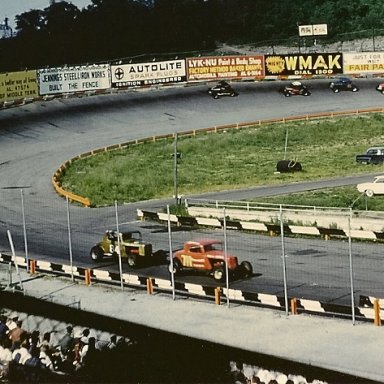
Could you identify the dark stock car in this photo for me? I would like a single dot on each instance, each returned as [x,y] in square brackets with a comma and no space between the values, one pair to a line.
[222,88]
[295,88]
[343,84]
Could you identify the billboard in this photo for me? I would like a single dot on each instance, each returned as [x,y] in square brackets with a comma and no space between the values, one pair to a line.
[304,64]
[216,68]
[18,85]
[363,62]
[74,79]
[144,74]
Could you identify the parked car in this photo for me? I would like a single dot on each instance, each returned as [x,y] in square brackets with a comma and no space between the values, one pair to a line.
[208,256]
[343,84]
[295,88]
[373,155]
[376,187]
[222,88]
[380,88]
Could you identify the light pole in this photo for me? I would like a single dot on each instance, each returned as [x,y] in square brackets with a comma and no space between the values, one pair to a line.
[176,157]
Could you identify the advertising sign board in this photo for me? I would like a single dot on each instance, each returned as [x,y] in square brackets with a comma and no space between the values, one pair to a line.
[313,30]
[74,79]
[144,74]
[18,85]
[216,68]
[363,62]
[304,64]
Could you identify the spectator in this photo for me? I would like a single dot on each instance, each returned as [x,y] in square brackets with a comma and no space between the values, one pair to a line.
[5,358]
[12,322]
[34,339]
[5,351]
[67,342]
[21,353]
[34,361]
[45,358]
[90,360]
[255,380]
[85,336]
[18,334]
[112,342]
[47,342]
[3,327]
[238,375]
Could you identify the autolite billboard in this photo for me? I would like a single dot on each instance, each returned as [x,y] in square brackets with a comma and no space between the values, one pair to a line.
[304,64]
[151,73]
[224,67]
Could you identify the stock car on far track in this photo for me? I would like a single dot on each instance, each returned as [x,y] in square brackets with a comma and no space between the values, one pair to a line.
[343,84]
[380,88]
[295,88]
[222,88]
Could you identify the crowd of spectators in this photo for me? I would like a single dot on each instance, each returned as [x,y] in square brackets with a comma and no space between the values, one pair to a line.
[34,357]
[79,354]
[251,374]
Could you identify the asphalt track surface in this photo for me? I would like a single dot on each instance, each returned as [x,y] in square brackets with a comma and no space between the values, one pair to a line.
[37,138]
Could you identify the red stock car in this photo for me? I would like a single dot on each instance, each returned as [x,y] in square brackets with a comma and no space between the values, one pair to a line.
[209,256]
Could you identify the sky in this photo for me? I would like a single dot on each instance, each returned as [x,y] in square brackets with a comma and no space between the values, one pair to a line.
[11,8]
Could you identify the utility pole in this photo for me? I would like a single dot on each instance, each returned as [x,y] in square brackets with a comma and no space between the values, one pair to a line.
[175,159]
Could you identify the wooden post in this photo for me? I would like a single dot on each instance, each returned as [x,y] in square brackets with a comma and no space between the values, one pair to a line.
[149,286]
[294,306]
[217,296]
[376,308]
[87,277]
[32,267]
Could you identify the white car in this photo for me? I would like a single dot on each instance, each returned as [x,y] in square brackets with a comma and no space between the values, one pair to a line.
[376,187]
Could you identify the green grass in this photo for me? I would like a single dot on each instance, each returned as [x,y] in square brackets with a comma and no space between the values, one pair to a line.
[229,160]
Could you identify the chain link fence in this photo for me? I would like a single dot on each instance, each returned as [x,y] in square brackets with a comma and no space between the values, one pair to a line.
[285,263]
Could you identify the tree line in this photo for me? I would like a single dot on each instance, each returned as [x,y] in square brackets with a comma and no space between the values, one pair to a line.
[112,29]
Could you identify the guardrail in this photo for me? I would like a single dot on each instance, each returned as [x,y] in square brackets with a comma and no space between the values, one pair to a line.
[262,227]
[217,128]
[368,309]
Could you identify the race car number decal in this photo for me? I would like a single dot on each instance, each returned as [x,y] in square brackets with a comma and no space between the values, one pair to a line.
[186,260]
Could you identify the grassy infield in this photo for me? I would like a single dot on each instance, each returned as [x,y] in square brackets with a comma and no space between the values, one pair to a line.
[235,159]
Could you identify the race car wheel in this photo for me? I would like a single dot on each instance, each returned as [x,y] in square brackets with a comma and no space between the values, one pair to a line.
[335,90]
[219,273]
[287,94]
[177,267]
[233,94]
[132,261]
[97,253]
[355,89]
[247,270]
[215,96]
[306,93]
[369,192]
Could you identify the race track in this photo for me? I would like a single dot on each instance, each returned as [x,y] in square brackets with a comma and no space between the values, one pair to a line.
[37,138]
